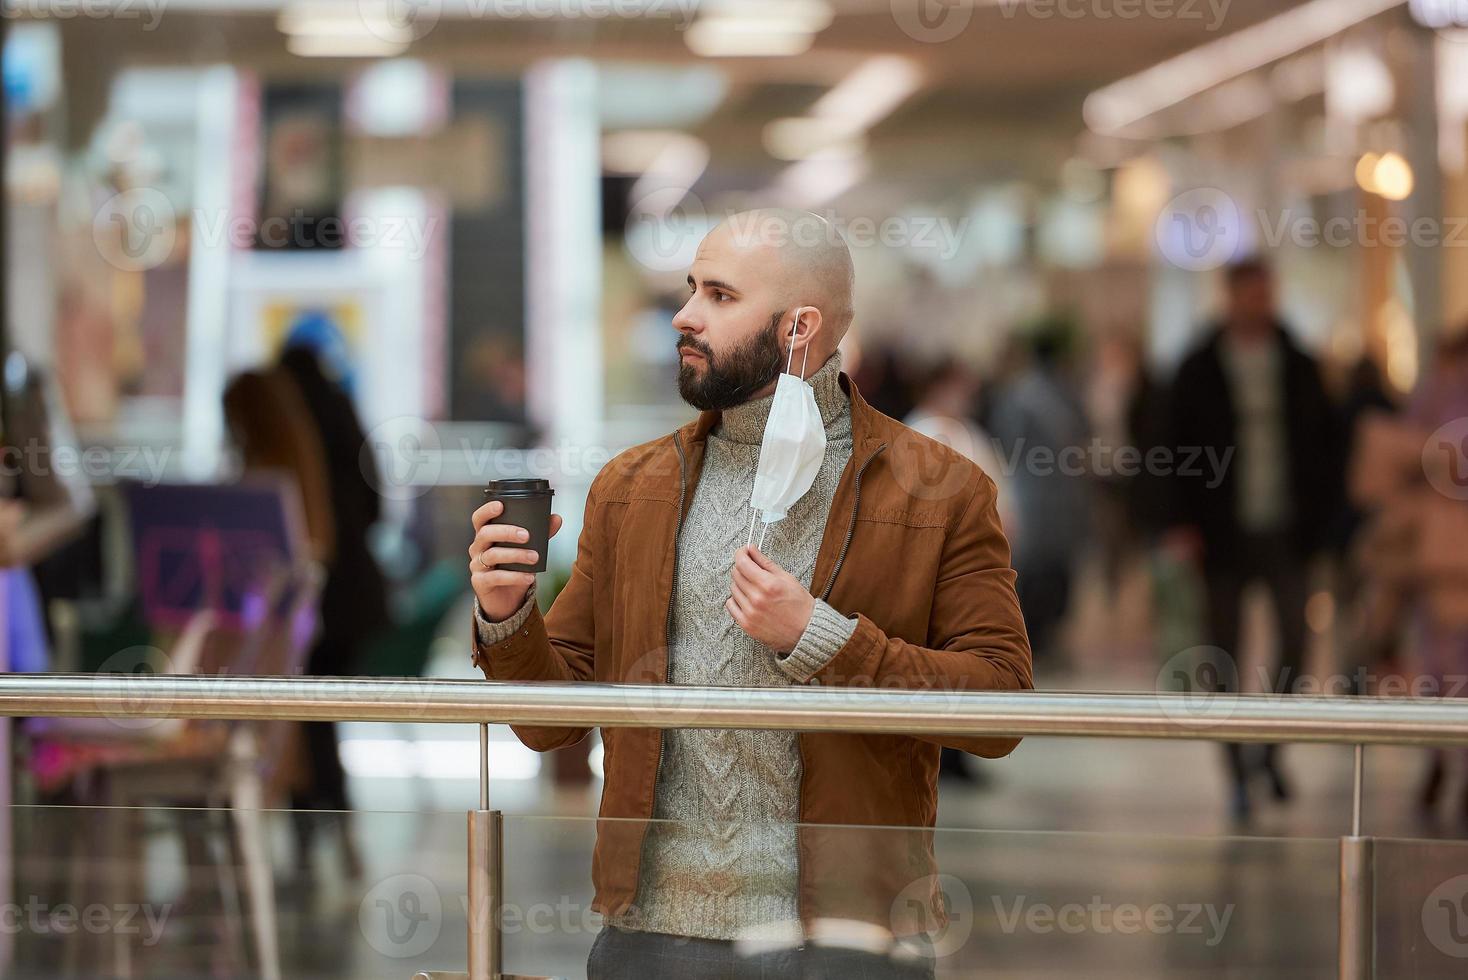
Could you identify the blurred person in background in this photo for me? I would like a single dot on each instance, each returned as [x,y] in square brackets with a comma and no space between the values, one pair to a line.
[271,424]
[1439,574]
[1365,607]
[1124,406]
[354,598]
[882,372]
[665,589]
[43,507]
[272,433]
[1248,408]
[947,398]
[1040,427]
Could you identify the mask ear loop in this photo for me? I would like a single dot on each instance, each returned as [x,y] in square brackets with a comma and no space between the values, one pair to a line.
[789,363]
[805,355]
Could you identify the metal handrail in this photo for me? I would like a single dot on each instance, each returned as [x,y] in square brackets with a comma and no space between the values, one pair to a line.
[1218,717]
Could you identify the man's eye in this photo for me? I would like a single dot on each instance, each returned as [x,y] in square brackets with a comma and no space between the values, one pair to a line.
[721,295]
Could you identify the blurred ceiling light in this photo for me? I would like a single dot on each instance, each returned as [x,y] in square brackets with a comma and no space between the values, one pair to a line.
[1230,104]
[869,93]
[636,151]
[1392,177]
[853,105]
[1358,84]
[678,162]
[1366,171]
[642,96]
[1132,99]
[757,28]
[804,137]
[398,97]
[813,182]
[341,31]
[1439,14]
[326,46]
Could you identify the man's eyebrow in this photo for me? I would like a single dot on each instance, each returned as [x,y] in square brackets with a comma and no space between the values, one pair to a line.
[715,284]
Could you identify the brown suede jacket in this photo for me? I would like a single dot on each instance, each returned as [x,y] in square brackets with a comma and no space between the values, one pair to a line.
[912,549]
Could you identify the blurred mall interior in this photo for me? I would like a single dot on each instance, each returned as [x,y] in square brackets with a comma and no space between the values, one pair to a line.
[399,248]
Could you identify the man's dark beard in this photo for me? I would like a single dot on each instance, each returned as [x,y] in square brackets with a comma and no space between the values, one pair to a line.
[737,375]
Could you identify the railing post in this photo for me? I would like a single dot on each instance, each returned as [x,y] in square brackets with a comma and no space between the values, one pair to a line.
[1356,949]
[486,876]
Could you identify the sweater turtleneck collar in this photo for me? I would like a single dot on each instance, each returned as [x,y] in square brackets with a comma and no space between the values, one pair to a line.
[746,423]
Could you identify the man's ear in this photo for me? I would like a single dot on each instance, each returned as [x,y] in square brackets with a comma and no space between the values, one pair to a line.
[810,317]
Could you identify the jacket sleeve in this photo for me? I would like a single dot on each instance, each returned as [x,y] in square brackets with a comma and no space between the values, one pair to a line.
[976,633]
[560,646]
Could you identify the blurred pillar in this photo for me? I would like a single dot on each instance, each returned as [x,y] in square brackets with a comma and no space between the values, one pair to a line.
[218,146]
[564,364]
[564,274]
[1418,72]
[1455,259]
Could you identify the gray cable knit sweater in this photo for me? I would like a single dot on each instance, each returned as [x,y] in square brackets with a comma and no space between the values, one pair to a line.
[720,862]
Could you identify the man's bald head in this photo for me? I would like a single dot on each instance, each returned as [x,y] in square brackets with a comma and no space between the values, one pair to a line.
[809,260]
[769,290]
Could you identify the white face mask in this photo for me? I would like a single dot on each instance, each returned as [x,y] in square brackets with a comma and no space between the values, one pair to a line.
[793,447]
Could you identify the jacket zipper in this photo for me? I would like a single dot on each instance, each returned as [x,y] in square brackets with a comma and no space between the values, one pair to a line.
[825,593]
[668,631]
[667,641]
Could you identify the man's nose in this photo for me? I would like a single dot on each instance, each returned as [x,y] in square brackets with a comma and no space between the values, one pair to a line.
[683,321]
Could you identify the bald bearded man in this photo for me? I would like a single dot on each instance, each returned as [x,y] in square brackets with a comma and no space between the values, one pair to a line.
[758,853]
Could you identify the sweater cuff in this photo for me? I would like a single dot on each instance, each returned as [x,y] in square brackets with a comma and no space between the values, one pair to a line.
[826,633]
[492,633]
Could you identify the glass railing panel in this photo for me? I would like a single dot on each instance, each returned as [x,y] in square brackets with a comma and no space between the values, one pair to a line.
[1421,908]
[1017,904]
[162,892]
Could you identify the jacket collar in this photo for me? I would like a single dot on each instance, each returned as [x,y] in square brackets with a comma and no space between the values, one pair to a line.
[866,424]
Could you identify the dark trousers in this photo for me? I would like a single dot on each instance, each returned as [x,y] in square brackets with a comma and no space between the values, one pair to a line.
[618,954]
[1273,560]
